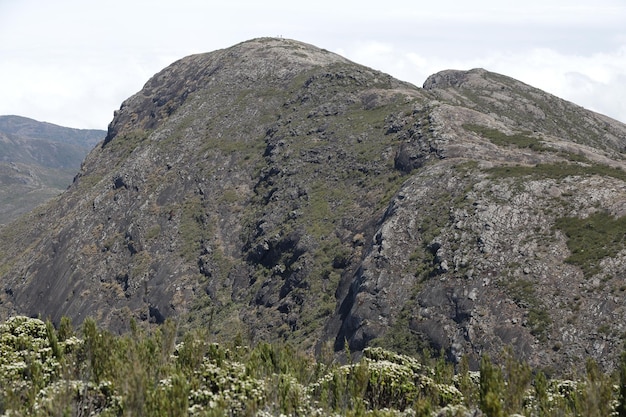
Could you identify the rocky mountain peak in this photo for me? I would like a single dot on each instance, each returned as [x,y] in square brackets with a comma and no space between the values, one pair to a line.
[281,192]
[241,65]
[451,78]
[524,107]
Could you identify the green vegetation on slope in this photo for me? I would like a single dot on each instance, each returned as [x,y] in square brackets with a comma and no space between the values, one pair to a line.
[557,170]
[577,165]
[519,140]
[523,292]
[592,239]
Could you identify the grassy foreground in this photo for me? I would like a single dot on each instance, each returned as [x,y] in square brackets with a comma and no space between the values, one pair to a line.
[59,372]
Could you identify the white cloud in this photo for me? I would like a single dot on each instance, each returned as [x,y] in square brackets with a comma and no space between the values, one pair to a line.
[72,62]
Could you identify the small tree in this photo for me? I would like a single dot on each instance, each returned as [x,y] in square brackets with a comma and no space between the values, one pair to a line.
[621,405]
[466,385]
[541,394]
[595,394]
[65,329]
[518,378]
[491,388]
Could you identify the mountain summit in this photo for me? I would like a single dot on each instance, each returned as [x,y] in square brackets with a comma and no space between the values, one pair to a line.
[277,191]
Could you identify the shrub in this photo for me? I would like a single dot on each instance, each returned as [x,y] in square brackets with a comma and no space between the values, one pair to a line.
[491,388]
[146,373]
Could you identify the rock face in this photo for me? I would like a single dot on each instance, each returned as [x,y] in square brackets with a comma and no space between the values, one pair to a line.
[281,192]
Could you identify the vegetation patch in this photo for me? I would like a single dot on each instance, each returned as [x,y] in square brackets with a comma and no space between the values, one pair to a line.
[318,212]
[592,239]
[519,140]
[153,232]
[523,293]
[557,171]
[402,339]
[194,227]
[123,145]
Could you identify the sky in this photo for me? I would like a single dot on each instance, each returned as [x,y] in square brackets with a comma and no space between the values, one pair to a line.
[73,62]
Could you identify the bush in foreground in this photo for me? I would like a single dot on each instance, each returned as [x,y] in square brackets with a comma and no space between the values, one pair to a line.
[51,372]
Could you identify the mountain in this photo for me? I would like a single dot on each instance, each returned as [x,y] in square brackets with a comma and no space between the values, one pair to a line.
[38,161]
[276,191]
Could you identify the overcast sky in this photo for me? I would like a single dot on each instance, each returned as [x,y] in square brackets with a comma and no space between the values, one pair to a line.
[72,62]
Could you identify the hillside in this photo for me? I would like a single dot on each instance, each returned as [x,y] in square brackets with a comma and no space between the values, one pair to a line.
[38,161]
[276,191]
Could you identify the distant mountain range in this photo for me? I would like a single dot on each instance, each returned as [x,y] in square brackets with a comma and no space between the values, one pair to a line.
[38,161]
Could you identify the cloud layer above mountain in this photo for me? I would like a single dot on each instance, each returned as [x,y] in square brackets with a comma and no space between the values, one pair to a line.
[72,63]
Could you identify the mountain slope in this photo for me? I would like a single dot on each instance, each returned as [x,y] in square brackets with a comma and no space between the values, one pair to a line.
[38,161]
[278,191]
[26,128]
